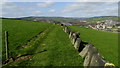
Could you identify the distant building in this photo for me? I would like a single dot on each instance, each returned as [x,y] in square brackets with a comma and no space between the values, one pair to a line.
[66,23]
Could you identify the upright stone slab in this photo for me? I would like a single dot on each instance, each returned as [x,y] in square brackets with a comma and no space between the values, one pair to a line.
[84,52]
[71,32]
[73,41]
[72,35]
[91,51]
[66,29]
[74,38]
[97,61]
[77,43]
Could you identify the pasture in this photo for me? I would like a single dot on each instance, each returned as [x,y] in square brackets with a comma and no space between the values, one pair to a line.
[45,44]
[105,42]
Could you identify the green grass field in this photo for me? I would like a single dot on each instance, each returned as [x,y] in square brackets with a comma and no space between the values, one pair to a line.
[19,33]
[51,47]
[105,42]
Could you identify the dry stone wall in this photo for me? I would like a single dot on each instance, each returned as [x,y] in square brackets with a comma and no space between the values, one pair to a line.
[91,56]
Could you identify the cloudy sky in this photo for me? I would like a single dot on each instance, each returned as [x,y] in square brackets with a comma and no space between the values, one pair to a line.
[59,9]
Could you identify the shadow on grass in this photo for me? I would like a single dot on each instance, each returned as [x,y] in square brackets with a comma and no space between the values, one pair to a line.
[82,45]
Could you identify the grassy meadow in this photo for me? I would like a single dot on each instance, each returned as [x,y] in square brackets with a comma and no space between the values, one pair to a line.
[48,45]
[20,32]
[51,47]
[105,42]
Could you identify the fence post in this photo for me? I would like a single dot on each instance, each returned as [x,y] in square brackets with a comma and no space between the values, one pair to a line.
[6,44]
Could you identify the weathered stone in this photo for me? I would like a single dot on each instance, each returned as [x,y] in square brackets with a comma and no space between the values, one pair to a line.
[77,43]
[72,35]
[84,52]
[71,32]
[97,60]
[66,29]
[90,53]
[73,40]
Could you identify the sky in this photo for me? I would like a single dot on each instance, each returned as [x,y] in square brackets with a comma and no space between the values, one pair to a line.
[58,9]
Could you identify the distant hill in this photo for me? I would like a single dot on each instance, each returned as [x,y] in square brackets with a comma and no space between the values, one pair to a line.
[102,18]
[70,20]
[52,19]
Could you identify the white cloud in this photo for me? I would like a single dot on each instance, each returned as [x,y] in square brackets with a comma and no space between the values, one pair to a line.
[80,6]
[11,6]
[2,13]
[97,0]
[45,4]
[52,11]
[75,9]
[61,0]
[37,13]
[91,8]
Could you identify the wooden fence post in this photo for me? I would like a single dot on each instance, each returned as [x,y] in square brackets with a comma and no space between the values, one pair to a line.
[6,44]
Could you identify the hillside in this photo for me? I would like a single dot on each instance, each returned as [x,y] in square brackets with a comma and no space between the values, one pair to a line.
[102,18]
[105,42]
[73,19]
[39,44]
[46,44]
[52,19]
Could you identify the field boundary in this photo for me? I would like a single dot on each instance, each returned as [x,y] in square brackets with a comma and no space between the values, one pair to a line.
[87,51]
[28,44]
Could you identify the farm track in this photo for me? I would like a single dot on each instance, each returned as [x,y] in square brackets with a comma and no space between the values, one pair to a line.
[53,51]
[51,48]
[31,44]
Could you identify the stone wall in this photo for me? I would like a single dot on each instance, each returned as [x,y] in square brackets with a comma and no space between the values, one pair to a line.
[91,56]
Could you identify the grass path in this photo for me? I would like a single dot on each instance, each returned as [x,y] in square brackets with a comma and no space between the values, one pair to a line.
[31,46]
[20,32]
[55,50]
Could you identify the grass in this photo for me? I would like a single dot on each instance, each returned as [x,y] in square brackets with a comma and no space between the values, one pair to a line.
[51,48]
[105,42]
[19,33]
